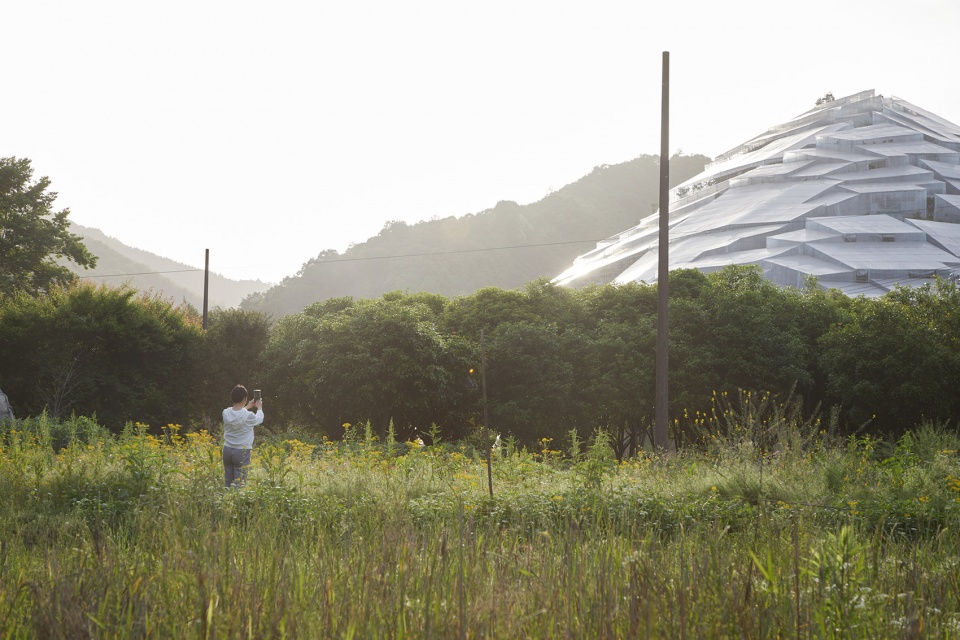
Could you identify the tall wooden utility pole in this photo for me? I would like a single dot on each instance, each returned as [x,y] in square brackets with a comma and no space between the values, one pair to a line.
[206,285]
[661,428]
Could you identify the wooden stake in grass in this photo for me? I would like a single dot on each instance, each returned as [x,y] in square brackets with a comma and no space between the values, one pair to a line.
[486,419]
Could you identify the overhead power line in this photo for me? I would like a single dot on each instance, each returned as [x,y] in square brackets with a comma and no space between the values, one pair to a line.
[446,253]
[363,258]
[139,273]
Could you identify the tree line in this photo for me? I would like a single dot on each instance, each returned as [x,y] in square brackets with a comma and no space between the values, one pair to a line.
[557,358]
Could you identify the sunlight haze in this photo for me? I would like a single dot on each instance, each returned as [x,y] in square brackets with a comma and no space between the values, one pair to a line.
[268,132]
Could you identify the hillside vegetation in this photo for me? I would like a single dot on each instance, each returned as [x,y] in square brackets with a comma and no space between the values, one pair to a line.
[506,246]
[119,264]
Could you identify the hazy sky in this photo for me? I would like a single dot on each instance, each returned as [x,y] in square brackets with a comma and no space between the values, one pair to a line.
[269,131]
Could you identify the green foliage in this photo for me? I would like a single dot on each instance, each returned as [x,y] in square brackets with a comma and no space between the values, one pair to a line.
[32,235]
[760,421]
[136,536]
[576,445]
[486,308]
[894,361]
[556,359]
[561,359]
[96,350]
[349,362]
[530,380]
[749,328]
[838,567]
[57,434]
[232,353]
[598,463]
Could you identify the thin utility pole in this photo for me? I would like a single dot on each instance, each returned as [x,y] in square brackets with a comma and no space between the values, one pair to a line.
[661,430]
[206,285]
[486,420]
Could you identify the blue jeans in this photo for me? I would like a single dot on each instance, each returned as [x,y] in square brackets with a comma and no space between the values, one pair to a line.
[235,465]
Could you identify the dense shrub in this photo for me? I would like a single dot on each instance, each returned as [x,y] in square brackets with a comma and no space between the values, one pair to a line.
[95,350]
[556,359]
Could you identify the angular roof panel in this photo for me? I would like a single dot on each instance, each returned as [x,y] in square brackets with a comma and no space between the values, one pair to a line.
[874,134]
[898,256]
[943,169]
[945,235]
[913,148]
[875,224]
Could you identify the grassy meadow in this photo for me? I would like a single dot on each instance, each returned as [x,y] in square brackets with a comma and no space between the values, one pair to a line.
[766,530]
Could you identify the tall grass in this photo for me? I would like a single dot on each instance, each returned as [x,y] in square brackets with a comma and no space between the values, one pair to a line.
[135,537]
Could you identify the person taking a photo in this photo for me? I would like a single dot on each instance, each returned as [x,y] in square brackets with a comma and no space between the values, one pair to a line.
[238,424]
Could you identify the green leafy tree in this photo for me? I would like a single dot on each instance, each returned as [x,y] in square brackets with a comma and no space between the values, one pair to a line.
[485,309]
[380,360]
[553,303]
[754,327]
[233,350]
[387,361]
[99,350]
[290,370]
[730,330]
[32,235]
[694,359]
[894,361]
[530,381]
[820,309]
[618,380]
[615,381]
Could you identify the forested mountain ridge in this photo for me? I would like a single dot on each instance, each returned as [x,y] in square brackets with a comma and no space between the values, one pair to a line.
[118,263]
[506,246]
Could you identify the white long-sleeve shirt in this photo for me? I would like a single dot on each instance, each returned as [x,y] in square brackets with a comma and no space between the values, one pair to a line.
[238,427]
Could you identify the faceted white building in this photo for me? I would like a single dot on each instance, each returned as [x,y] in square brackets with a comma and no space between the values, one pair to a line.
[862,192]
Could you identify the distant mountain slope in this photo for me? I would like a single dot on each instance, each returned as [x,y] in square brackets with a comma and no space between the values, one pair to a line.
[118,263]
[456,256]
